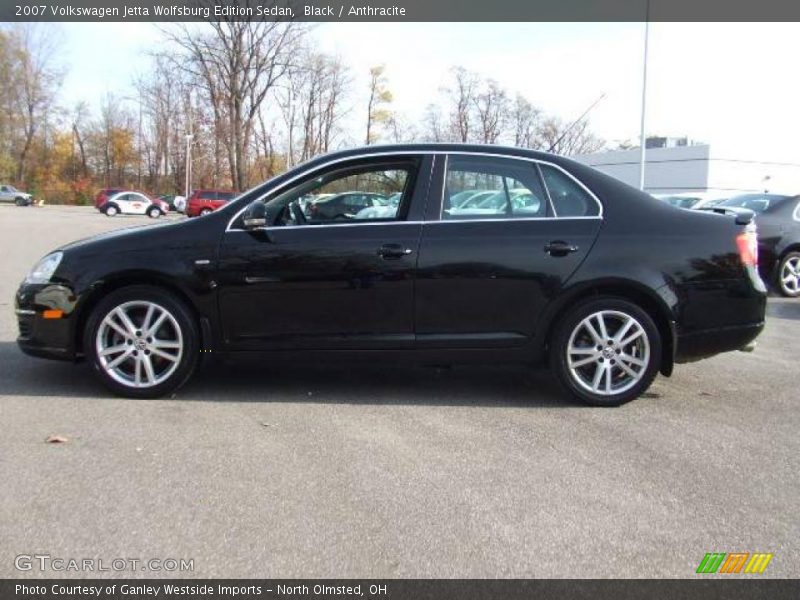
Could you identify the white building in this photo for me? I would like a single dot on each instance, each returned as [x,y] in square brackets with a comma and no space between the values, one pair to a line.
[675,168]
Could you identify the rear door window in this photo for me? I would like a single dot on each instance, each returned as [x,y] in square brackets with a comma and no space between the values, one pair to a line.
[478,187]
[569,198]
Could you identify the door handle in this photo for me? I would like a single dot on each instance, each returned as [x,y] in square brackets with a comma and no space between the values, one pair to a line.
[559,248]
[393,251]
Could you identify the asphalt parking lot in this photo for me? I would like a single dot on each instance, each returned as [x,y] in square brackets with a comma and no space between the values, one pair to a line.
[308,471]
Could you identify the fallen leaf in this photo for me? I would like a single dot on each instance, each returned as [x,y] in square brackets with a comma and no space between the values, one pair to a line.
[56,439]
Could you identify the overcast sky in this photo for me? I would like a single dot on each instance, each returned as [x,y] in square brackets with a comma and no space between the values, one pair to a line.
[732,85]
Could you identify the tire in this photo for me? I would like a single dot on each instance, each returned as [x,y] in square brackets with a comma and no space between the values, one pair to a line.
[111,210]
[135,364]
[20,201]
[789,275]
[205,211]
[154,213]
[620,379]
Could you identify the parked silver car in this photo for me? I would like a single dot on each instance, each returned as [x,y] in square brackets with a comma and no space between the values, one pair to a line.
[8,193]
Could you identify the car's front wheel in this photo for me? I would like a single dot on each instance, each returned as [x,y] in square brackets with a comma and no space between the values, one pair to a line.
[606,351]
[205,211]
[154,213]
[142,341]
[789,275]
[111,210]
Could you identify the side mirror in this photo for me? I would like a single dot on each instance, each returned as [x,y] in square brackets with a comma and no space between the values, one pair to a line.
[255,216]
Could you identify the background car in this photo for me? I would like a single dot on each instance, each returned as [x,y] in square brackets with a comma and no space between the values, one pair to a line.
[8,193]
[134,203]
[691,200]
[203,202]
[175,203]
[103,195]
[343,206]
[778,221]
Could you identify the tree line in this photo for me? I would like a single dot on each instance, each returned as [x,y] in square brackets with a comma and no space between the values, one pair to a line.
[247,100]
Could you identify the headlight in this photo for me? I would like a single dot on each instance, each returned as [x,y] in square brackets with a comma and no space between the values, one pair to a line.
[45,268]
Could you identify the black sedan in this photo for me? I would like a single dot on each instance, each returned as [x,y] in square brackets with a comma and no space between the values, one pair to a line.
[778,219]
[607,283]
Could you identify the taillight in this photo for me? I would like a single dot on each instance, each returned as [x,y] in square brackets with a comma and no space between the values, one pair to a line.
[747,243]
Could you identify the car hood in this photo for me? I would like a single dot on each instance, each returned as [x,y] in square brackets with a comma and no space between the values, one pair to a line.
[129,234]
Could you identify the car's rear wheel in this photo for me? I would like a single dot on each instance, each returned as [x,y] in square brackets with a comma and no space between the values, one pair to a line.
[142,341]
[789,275]
[111,210]
[205,211]
[154,213]
[606,351]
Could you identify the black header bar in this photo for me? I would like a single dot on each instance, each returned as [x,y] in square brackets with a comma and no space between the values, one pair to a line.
[400,10]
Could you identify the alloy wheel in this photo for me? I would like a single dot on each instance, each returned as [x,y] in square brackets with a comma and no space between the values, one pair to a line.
[139,344]
[790,276]
[608,352]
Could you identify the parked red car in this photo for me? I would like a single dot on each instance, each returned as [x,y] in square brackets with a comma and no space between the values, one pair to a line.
[103,195]
[202,202]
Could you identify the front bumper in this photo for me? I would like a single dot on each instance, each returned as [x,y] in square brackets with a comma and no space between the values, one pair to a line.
[51,337]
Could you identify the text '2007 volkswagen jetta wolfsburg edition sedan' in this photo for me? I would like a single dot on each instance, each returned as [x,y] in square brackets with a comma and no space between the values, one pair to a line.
[567,264]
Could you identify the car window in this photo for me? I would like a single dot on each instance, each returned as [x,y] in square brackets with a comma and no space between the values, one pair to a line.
[492,188]
[225,196]
[569,198]
[755,202]
[346,195]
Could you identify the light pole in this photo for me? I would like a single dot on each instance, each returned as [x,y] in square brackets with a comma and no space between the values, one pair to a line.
[642,136]
[189,137]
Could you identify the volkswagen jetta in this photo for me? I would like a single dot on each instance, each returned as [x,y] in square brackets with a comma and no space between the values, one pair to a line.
[608,284]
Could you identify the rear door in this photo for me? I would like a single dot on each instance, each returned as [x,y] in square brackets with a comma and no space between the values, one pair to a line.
[486,273]
[325,282]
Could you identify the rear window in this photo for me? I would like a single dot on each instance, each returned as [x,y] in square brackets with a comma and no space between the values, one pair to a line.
[225,195]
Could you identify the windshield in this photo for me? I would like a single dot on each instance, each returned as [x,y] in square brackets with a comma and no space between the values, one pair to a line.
[755,202]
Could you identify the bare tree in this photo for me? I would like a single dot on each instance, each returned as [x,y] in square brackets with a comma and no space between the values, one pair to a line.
[311,104]
[568,138]
[379,97]
[491,106]
[238,64]
[79,117]
[461,99]
[525,122]
[38,79]
[434,130]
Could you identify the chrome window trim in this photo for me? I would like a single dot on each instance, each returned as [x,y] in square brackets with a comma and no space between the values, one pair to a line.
[446,153]
[796,214]
[547,193]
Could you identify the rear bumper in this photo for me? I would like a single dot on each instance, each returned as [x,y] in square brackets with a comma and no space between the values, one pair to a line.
[701,344]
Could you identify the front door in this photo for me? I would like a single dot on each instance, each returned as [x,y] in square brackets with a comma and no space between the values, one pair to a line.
[322,281]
